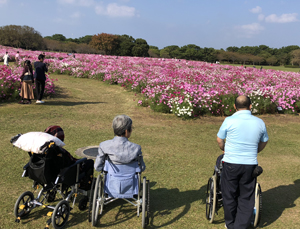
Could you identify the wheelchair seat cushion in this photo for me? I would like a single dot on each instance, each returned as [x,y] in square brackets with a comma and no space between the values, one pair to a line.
[32,141]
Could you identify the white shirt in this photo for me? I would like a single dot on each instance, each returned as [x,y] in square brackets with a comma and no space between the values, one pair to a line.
[5,58]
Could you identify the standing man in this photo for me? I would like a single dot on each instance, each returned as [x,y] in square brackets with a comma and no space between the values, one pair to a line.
[246,135]
[5,58]
[40,77]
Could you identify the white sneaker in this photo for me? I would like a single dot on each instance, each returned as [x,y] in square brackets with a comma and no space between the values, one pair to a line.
[39,101]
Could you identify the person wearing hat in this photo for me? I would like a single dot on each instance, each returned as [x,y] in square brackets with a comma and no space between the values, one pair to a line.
[86,166]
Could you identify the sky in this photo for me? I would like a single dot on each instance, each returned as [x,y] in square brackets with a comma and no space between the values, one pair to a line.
[206,23]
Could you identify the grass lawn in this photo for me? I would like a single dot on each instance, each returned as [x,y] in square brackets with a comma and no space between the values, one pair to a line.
[180,157]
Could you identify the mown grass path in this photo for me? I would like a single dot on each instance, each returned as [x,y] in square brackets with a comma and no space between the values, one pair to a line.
[180,157]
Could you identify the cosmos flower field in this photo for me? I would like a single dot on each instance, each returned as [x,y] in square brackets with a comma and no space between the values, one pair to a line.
[185,88]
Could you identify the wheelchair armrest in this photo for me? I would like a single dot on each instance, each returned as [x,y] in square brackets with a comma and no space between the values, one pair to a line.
[26,166]
[65,171]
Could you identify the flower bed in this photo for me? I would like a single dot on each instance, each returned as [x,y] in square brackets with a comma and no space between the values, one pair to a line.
[185,88]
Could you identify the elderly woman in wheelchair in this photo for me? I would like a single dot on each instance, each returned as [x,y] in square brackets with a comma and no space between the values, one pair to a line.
[121,164]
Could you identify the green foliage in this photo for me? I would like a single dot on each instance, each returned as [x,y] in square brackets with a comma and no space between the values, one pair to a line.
[140,48]
[21,37]
[157,106]
[291,66]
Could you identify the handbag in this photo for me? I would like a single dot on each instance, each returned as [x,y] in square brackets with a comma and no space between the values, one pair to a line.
[28,77]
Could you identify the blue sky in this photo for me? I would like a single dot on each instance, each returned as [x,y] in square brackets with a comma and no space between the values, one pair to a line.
[206,23]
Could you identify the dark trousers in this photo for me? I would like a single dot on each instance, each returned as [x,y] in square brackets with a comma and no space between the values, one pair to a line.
[40,88]
[238,192]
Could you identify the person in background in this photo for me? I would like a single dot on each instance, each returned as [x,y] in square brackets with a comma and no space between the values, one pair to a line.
[17,57]
[26,87]
[246,135]
[40,77]
[6,58]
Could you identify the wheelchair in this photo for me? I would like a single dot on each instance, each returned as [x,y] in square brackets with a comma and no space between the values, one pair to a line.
[214,199]
[50,179]
[120,181]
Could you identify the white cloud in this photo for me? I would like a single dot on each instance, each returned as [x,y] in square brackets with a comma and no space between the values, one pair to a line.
[66,1]
[284,18]
[261,17]
[76,15]
[256,10]
[2,2]
[249,30]
[86,3]
[115,10]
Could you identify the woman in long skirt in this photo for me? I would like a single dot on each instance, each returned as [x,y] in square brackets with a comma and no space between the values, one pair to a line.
[27,81]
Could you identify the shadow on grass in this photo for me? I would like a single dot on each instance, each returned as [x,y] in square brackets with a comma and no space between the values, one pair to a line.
[165,200]
[68,104]
[276,200]
[162,202]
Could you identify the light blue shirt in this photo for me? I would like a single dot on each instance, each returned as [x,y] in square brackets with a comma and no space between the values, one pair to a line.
[243,132]
[120,151]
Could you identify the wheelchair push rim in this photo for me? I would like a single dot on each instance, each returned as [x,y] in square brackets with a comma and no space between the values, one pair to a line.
[257,206]
[23,204]
[98,199]
[145,203]
[211,198]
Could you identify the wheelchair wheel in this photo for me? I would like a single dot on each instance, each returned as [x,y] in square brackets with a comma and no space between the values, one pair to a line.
[211,198]
[91,200]
[83,203]
[61,214]
[257,206]
[145,203]
[22,205]
[98,200]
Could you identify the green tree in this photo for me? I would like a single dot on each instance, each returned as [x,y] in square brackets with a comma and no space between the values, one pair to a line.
[57,37]
[140,48]
[125,45]
[21,37]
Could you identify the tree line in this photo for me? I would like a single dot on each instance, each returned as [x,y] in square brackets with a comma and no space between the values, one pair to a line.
[125,45]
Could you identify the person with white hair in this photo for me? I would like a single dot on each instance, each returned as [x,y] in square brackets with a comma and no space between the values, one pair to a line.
[119,150]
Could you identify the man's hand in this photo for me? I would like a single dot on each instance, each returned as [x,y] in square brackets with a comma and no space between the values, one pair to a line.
[221,143]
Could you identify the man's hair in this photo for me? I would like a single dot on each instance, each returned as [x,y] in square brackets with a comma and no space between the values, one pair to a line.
[41,56]
[242,102]
[122,123]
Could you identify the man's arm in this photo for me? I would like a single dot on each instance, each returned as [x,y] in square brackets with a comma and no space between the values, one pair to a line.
[221,143]
[261,146]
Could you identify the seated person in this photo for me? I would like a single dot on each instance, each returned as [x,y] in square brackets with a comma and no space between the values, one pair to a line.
[119,149]
[86,166]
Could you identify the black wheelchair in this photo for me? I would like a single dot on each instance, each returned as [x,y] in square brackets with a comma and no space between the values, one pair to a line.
[214,199]
[50,180]
[120,181]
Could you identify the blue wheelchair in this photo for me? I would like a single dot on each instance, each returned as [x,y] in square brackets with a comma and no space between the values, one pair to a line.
[214,199]
[120,181]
